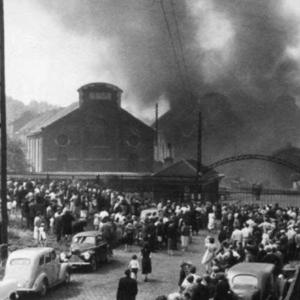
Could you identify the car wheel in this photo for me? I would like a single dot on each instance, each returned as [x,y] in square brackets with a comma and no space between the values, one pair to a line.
[67,277]
[44,288]
[93,263]
[13,296]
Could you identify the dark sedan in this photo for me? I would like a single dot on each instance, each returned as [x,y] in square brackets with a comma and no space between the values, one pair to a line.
[88,248]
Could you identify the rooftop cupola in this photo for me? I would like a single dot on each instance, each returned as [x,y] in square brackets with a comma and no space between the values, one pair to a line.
[99,91]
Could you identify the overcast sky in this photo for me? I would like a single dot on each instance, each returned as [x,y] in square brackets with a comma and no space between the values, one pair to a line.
[47,62]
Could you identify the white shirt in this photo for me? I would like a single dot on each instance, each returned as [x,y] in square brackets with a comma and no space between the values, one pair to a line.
[246,232]
[237,235]
[134,264]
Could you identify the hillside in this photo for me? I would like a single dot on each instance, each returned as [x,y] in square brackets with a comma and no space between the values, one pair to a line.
[16,108]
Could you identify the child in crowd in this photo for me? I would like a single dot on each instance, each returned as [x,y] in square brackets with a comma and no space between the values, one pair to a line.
[42,236]
[134,266]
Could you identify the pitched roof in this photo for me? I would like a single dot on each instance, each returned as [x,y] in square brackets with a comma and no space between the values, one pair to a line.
[132,117]
[35,126]
[28,127]
[47,118]
[185,168]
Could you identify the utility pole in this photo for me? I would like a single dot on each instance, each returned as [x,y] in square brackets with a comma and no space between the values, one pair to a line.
[199,155]
[156,151]
[4,217]
[156,124]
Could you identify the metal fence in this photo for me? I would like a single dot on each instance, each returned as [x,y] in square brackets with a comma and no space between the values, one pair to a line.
[283,198]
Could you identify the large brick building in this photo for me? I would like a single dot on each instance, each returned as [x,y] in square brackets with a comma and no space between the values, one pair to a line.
[93,135]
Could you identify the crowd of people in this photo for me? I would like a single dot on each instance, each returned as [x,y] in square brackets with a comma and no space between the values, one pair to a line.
[235,234]
[268,234]
[66,207]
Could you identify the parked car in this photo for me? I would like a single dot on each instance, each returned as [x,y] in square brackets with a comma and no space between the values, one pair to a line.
[8,290]
[150,213]
[253,281]
[88,248]
[36,270]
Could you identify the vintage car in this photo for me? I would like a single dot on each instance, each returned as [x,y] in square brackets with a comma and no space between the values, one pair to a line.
[253,281]
[36,270]
[150,213]
[8,290]
[88,248]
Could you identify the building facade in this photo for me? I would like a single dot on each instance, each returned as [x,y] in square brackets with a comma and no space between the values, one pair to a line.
[93,135]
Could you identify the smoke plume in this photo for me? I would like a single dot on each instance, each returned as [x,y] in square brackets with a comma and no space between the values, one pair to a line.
[247,50]
[228,45]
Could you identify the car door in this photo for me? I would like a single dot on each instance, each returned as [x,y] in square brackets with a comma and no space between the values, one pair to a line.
[55,266]
[48,268]
[51,267]
[40,267]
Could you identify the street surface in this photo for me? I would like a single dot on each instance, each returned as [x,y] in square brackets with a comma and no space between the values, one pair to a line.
[102,285]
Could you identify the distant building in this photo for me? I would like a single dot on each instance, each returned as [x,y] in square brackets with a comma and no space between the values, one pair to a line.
[179,180]
[288,177]
[93,135]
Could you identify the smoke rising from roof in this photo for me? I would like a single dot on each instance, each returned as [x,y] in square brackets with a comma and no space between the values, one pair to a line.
[228,45]
[247,50]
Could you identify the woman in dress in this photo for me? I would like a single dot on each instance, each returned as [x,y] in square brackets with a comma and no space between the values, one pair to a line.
[210,253]
[146,261]
[211,221]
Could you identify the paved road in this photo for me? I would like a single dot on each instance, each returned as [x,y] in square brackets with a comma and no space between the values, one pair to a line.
[102,285]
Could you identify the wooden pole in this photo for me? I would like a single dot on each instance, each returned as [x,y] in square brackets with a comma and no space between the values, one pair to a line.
[156,124]
[199,154]
[4,217]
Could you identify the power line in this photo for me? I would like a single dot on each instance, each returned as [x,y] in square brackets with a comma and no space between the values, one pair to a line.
[172,43]
[180,43]
[178,62]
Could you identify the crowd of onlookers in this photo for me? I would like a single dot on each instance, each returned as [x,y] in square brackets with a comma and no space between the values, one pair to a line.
[268,234]
[235,234]
[67,207]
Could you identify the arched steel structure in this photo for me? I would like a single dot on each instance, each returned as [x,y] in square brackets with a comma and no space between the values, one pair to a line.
[272,159]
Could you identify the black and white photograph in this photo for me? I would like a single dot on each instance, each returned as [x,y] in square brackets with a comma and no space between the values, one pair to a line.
[150,149]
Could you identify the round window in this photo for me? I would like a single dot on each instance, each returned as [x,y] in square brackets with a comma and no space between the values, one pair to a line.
[62,140]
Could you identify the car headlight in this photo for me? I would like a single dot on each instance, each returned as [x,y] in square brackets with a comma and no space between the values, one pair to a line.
[86,255]
[63,257]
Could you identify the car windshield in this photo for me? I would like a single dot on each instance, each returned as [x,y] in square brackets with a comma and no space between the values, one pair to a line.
[20,262]
[84,240]
[240,281]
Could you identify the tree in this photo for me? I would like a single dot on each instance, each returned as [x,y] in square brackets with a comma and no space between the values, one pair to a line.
[16,161]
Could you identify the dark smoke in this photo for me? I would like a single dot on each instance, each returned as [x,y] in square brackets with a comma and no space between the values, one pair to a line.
[258,113]
[262,35]
[138,35]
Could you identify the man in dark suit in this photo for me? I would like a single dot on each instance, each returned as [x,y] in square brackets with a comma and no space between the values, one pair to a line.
[127,289]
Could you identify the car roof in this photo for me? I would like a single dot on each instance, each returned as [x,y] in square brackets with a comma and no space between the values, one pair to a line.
[88,233]
[255,269]
[31,252]
[149,210]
